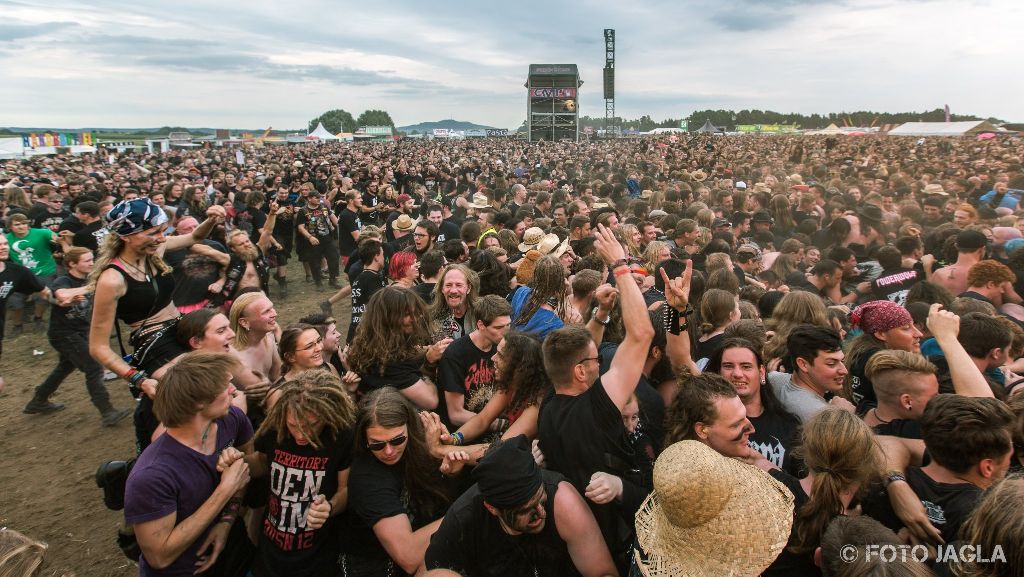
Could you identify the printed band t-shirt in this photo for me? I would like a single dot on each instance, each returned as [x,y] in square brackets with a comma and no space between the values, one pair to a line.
[298,473]
[33,251]
[466,370]
[15,279]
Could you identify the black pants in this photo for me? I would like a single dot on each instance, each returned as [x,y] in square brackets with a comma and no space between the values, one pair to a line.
[74,355]
[328,249]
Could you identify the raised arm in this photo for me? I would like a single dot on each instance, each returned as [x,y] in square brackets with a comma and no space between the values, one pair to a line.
[267,232]
[214,215]
[621,379]
[677,297]
[605,296]
[967,379]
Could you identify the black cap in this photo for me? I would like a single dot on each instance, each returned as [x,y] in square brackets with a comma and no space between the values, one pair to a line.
[761,216]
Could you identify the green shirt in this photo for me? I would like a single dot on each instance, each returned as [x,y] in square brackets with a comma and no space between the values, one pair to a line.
[33,251]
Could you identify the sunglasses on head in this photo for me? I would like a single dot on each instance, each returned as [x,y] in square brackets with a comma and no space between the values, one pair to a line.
[379,445]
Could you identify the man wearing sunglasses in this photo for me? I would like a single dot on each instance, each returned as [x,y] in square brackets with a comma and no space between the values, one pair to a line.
[580,428]
[518,520]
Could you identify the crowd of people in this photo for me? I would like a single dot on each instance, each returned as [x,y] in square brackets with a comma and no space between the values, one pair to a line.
[659,356]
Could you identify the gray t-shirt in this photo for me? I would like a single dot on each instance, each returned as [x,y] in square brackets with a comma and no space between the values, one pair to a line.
[796,399]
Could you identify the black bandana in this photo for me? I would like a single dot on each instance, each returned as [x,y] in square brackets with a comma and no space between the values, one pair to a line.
[508,476]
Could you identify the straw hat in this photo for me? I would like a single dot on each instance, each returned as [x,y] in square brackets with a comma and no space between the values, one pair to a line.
[479,201]
[550,245]
[761,187]
[699,175]
[404,223]
[711,516]
[935,188]
[531,238]
[795,179]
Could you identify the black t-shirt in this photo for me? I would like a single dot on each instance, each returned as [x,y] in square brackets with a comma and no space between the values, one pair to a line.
[902,428]
[298,473]
[581,435]
[705,349]
[789,564]
[74,319]
[652,404]
[193,274]
[251,220]
[425,291]
[376,491]
[775,437]
[348,222]
[90,235]
[47,219]
[863,390]
[15,278]
[370,201]
[366,284]
[466,370]
[894,284]
[947,504]
[471,541]
[447,231]
[284,226]
[398,374]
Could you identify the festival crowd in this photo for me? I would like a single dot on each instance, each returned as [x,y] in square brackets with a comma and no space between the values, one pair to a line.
[659,356]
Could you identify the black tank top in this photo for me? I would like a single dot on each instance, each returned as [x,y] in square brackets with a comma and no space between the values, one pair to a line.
[142,298]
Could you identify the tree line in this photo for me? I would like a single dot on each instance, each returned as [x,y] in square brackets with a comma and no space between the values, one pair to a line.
[729,119]
[339,120]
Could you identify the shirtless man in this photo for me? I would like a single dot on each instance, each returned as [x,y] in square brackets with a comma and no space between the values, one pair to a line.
[245,266]
[254,321]
[970,245]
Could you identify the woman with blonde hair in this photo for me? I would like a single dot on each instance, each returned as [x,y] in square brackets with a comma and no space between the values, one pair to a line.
[629,235]
[840,454]
[20,556]
[133,284]
[655,252]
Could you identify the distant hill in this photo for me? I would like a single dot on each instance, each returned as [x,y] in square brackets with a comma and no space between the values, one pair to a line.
[449,124]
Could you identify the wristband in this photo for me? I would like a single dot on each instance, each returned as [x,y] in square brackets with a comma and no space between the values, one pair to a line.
[593,316]
[892,477]
[619,271]
[618,263]
[670,320]
[137,378]
[458,438]
[131,373]
[230,511]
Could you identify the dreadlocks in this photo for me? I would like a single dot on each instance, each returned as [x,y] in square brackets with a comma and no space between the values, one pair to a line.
[312,395]
[548,286]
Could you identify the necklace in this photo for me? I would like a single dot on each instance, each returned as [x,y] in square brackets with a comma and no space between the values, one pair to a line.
[883,422]
[206,433]
[137,269]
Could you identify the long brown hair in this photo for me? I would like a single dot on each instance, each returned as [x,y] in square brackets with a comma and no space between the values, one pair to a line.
[389,409]
[380,340]
[840,451]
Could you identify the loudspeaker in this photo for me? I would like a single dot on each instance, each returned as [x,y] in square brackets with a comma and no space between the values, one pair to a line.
[609,83]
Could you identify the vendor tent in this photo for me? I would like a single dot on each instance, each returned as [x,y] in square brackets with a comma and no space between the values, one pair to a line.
[11,147]
[321,133]
[830,129]
[965,128]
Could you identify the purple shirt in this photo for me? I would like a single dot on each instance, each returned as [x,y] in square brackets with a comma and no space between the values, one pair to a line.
[172,478]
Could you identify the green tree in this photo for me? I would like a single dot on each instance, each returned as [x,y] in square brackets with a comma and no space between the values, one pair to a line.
[335,121]
[375,118]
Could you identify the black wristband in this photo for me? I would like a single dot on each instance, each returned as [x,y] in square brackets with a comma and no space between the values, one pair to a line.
[670,320]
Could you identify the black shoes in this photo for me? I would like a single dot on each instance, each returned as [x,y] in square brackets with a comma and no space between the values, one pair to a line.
[41,407]
[113,416]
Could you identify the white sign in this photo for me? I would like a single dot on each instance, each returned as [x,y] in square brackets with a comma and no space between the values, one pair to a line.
[440,132]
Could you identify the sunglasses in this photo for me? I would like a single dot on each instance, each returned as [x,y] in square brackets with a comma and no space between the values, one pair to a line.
[379,445]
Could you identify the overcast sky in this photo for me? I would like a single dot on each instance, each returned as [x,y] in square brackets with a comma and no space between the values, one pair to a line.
[279,63]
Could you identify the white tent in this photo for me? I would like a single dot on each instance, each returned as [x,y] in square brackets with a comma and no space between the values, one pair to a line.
[964,128]
[11,147]
[830,129]
[321,133]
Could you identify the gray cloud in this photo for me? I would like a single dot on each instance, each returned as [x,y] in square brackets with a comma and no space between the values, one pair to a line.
[11,31]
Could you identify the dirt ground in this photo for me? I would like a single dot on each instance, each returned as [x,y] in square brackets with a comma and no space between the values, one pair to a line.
[47,486]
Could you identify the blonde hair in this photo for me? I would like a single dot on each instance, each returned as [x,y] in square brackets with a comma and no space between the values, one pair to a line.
[238,307]
[20,556]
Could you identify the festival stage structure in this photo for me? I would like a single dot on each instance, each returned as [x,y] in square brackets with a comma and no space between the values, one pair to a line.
[552,102]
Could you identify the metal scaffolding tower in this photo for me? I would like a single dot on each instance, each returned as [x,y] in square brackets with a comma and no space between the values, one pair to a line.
[609,82]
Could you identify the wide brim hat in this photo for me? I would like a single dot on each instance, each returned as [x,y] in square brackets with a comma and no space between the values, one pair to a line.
[404,223]
[479,201]
[934,189]
[870,212]
[711,516]
[531,238]
[699,175]
[550,245]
